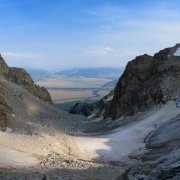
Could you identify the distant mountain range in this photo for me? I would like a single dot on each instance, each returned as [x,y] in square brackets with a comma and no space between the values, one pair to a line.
[98,72]
[38,74]
[107,72]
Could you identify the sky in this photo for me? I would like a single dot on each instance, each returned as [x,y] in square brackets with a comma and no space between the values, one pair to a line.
[57,34]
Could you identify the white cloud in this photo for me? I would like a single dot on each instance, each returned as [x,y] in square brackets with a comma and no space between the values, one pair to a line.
[97,53]
[108,49]
[20,55]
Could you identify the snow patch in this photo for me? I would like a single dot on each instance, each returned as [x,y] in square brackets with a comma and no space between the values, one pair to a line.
[177,53]
[13,158]
[128,140]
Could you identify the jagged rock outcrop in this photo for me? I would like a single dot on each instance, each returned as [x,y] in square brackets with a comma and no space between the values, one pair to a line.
[21,77]
[4,69]
[4,107]
[146,81]
[3,104]
[168,168]
[2,120]
[93,110]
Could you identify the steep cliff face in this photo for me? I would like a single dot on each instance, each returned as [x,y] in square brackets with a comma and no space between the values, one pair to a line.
[93,110]
[21,77]
[146,81]
[4,69]
[2,120]
[4,107]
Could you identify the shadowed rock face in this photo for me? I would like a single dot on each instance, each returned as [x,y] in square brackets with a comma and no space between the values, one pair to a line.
[21,77]
[2,120]
[93,110]
[4,69]
[168,168]
[146,81]
[4,107]
[3,104]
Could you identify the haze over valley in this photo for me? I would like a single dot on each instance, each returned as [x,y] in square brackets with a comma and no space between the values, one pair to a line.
[67,87]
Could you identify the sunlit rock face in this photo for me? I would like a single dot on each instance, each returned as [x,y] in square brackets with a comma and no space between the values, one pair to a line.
[21,77]
[147,81]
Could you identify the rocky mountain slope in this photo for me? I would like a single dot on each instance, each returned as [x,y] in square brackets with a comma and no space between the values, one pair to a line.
[93,110]
[4,107]
[21,77]
[145,119]
[146,81]
[37,138]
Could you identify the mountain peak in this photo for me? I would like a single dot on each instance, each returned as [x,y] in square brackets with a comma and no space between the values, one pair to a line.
[147,81]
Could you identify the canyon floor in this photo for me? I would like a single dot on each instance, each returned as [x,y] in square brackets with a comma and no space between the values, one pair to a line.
[42,142]
[39,142]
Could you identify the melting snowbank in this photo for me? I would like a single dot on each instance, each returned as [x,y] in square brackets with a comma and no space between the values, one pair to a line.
[128,140]
[12,158]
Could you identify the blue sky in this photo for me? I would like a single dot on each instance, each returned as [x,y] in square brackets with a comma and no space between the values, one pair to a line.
[55,34]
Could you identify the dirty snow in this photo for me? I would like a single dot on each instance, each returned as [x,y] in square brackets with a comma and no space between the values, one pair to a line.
[129,139]
[12,158]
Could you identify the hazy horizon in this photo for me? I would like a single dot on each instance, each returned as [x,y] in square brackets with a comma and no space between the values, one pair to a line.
[72,68]
[48,34]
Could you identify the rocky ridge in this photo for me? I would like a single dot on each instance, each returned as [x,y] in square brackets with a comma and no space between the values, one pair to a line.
[93,110]
[146,81]
[21,77]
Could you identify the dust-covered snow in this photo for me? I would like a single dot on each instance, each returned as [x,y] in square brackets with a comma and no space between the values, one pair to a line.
[128,140]
[13,158]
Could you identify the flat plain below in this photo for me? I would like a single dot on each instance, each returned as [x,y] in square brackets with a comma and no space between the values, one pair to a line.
[72,82]
[64,89]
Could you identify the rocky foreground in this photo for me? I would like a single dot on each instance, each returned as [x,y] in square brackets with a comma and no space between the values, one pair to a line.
[138,139]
